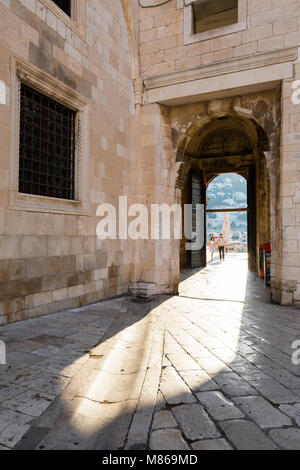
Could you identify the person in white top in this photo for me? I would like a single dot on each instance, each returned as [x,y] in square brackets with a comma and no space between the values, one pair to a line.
[212,247]
[221,246]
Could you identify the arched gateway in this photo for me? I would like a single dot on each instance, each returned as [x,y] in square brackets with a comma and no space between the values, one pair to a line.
[226,142]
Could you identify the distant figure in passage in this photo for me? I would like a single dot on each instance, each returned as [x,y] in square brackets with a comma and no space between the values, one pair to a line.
[212,247]
[221,246]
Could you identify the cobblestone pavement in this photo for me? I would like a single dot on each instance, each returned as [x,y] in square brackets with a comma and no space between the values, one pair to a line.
[209,369]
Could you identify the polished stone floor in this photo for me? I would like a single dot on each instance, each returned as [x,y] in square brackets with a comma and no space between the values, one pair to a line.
[209,369]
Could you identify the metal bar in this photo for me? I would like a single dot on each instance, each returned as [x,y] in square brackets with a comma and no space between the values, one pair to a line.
[212,157]
[47,146]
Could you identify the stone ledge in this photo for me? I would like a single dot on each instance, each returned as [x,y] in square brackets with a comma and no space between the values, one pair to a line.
[142,290]
[224,67]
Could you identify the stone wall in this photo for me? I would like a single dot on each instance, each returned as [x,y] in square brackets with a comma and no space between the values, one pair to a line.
[271,24]
[50,258]
[260,55]
[289,202]
[159,258]
[164,129]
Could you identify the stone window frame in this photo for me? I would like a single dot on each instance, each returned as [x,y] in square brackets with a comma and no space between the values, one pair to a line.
[191,38]
[22,72]
[49,168]
[77,21]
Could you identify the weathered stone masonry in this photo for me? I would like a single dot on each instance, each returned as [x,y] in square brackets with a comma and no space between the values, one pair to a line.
[183,79]
[141,88]
[50,258]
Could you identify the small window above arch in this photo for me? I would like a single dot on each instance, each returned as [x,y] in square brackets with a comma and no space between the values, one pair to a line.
[212,14]
[207,19]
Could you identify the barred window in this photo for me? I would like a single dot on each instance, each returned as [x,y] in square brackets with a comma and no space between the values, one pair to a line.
[47,146]
[64,5]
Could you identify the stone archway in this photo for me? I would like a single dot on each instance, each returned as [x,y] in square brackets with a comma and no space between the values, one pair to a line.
[229,140]
[167,160]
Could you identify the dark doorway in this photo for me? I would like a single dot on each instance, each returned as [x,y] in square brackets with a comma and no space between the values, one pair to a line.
[197,258]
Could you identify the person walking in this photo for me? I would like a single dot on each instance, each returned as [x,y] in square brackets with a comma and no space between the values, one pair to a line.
[212,247]
[221,246]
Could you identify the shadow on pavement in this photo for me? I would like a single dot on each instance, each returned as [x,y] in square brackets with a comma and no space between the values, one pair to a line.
[182,373]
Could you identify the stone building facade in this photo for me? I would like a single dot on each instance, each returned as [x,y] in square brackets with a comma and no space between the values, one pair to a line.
[50,256]
[147,85]
[200,84]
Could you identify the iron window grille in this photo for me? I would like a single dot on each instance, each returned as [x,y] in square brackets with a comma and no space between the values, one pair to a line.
[64,5]
[47,146]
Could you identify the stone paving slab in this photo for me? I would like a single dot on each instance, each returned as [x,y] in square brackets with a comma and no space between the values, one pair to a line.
[293,411]
[245,435]
[274,391]
[198,381]
[173,388]
[163,419]
[262,412]
[31,403]
[13,426]
[233,385]
[212,444]
[287,439]
[218,406]
[183,362]
[167,439]
[195,422]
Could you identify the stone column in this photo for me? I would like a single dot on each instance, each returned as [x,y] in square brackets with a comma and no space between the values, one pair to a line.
[289,201]
[159,258]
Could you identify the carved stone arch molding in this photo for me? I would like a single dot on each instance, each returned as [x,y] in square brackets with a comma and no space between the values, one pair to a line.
[180,154]
[211,176]
[249,123]
[182,174]
[132,37]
